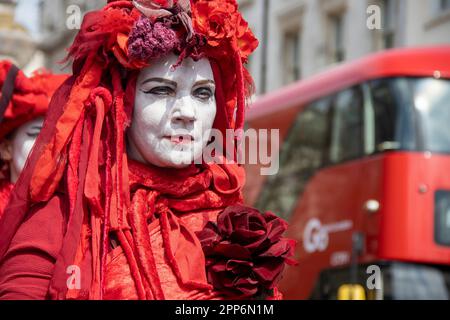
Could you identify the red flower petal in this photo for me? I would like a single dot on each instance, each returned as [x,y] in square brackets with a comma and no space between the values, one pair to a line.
[230,250]
[269,271]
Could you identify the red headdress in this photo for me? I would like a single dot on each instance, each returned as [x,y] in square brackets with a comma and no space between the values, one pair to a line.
[81,156]
[22,99]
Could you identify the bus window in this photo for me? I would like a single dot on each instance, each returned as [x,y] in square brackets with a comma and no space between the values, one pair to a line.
[301,156]
[432,102]
[411,114]
[394,119]
[385,115]
[442,217]
[347,135]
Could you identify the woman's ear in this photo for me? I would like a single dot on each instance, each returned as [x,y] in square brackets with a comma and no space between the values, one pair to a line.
[6,150]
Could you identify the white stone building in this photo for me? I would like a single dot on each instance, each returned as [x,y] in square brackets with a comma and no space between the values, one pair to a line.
[302,37]
[16,44]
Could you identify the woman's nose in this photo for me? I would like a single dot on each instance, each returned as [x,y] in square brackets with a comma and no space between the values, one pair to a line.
[184,111]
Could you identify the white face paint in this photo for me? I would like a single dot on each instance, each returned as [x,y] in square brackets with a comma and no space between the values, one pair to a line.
[173,113]
[22,142]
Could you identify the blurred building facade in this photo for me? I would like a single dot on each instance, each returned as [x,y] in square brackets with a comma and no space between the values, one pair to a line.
[56,28]
[298,37]
[302,37]
[16,44]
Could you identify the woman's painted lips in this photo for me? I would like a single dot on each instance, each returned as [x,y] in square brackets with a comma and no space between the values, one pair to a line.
[181,139]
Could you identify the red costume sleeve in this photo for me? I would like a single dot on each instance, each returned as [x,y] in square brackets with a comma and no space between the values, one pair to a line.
[26,269]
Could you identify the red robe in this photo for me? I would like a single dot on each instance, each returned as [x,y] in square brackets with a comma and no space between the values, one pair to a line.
[28,264]
[183,205]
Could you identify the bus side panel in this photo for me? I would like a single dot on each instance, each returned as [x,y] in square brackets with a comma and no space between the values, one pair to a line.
[328,213]
[255,181]
[402,229]
[371,185]
[411,180]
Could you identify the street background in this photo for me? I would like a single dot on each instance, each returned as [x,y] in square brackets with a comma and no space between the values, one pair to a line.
[363,178]
[298,38]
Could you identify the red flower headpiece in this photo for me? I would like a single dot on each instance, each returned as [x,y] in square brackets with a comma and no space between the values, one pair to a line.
[211,28]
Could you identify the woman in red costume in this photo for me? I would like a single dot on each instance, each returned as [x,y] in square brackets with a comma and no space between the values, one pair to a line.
[112,203]
[23,104]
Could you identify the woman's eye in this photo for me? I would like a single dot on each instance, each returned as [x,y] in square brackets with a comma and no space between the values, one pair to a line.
[33,134]
[203,93]
[160,91]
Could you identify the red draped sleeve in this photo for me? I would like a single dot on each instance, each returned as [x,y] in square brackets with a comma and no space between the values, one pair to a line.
[27,267]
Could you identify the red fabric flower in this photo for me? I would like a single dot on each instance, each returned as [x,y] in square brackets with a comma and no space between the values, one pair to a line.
[151,40]
[222,24]
[156,4]
[245,251]
[155,9]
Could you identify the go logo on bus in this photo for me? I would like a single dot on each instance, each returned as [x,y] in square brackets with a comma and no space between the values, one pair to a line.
[316,235]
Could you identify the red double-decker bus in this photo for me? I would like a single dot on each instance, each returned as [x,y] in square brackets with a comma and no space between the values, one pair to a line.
[364,176]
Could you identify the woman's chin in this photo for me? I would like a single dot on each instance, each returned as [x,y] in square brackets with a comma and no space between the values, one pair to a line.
[177,156]
[178,159]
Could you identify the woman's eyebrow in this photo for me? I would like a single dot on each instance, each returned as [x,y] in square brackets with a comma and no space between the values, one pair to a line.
[169,82]
[203,82]
[37,127]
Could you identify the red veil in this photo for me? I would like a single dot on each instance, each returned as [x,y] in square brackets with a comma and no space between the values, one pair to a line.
[147,215]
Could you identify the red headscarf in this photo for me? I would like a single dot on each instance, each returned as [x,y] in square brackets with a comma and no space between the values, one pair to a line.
[22,99]
[81,153]
[30,97]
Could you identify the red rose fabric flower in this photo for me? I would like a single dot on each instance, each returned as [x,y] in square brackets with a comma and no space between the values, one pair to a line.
[222,24]
[245,251]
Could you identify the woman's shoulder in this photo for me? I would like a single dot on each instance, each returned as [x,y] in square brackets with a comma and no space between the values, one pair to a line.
[44,226]
[55,209]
